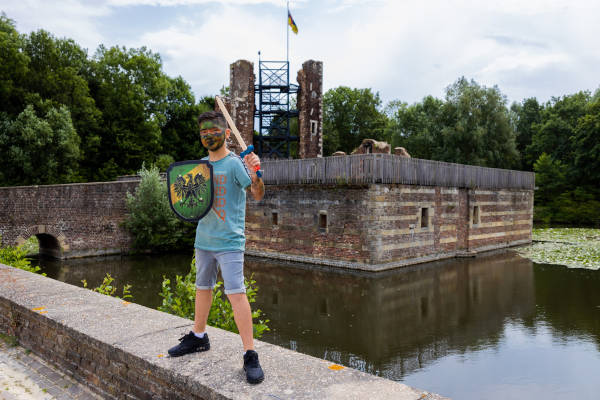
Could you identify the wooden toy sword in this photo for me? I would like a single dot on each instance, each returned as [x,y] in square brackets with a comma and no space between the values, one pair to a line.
[245,149]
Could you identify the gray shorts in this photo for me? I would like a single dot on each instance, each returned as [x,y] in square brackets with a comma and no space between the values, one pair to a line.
[232,270]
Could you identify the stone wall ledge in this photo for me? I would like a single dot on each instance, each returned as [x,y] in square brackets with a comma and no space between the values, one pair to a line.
[119,349]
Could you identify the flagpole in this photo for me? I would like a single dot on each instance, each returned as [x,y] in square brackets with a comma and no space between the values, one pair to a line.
[287,31]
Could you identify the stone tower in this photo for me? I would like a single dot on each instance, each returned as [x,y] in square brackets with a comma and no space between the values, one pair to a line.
[310,109]
[240,102]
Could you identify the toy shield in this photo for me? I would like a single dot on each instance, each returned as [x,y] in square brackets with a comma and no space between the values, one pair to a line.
[190,188]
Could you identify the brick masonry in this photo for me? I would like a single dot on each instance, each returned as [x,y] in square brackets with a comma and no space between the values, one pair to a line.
[69,220]
[310,109]
[240,102]
[374,224]
[385,223]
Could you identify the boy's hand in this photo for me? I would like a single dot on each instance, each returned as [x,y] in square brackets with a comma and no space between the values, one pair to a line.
[253,163]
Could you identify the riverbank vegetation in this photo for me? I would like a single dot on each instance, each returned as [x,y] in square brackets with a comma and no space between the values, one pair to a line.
[16,256]
[66,116]
[572,247]
[179,299]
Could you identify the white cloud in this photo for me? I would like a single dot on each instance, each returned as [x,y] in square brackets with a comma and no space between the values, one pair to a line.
[201,52]
[174,3]
[69,18]
[405,50]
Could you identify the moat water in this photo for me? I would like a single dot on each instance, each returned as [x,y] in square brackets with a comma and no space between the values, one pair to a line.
[493,327]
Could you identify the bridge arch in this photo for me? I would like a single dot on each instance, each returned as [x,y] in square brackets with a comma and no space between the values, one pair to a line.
[51,245]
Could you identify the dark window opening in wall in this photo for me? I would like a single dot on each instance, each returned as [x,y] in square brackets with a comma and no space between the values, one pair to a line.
[323,221]
[324,307]
[275,298]
[424,306]
[313,127]
[274,218]
[475,215]
[424,217]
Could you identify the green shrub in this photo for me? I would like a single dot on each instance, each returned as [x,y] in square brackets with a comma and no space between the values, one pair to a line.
[151,220]
[180,300]
[579,207]
[108,289]
[15,256]
[163,161]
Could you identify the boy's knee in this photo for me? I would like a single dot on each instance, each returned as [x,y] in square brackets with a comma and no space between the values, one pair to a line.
[237,297]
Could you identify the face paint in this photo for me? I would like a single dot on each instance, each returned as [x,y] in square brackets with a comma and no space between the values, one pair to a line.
[212,135]
[205,125]
[213,140]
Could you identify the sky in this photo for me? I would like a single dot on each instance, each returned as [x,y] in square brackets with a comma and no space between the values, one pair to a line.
[404,50]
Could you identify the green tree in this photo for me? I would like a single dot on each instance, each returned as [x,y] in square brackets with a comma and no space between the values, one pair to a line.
[180,137]
[526,117]
[417,127]
[471,126]
[58,75]
[349,116]
[478,129]
[550,177]
[131,90]
[586,146]
[151,221]
[554,134]
[38,150]
[13,68]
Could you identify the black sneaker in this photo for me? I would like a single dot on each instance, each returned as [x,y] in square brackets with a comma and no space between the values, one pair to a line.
[190,343]
[254,373]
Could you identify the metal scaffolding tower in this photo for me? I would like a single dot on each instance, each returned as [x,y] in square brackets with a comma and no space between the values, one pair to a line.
[273,110]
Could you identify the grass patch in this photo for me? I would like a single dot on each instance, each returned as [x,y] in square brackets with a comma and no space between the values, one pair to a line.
[572,247]
[11,341]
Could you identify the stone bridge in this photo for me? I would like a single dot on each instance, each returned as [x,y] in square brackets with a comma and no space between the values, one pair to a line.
[73,220]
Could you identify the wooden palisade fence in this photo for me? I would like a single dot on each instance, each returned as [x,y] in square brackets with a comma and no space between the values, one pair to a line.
[387,168]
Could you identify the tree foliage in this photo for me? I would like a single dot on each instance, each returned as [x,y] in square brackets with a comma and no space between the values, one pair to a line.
[349,116]
[124,109]
[471,126]
[151,221]
[38,149]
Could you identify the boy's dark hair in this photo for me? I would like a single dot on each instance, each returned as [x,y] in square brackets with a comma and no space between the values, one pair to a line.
[214,116]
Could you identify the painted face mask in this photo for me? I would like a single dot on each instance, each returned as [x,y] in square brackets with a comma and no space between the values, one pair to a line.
[212,135]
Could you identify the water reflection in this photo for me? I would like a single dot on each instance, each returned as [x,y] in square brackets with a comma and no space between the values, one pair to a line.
[144,272]
[393,323]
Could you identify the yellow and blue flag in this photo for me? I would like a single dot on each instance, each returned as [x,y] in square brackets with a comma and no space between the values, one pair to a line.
[292,24]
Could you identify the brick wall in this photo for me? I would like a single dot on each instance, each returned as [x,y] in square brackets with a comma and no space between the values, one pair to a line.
[379,224]
[310,109]
[300,211]
[84,219]
[367,224]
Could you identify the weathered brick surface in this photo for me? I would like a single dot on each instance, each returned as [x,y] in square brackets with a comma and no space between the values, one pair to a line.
[378,224]
[368,224]
[80,218]
[111,373]
[241,100]
[297,231]
[310,109]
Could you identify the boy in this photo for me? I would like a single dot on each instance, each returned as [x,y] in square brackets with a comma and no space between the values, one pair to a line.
[220,241]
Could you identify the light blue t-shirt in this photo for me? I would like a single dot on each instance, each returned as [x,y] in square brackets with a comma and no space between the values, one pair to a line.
[222,229]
